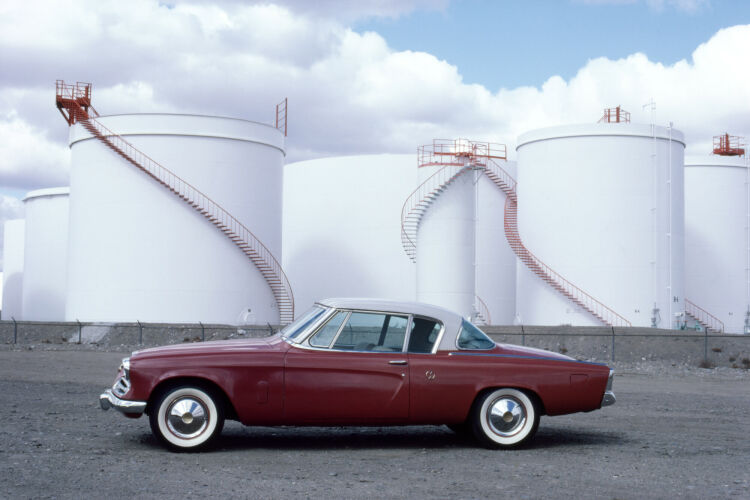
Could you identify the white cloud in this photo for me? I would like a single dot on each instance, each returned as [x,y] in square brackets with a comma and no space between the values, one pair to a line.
[28,159]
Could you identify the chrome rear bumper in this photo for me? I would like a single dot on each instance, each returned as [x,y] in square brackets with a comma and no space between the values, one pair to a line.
[609,396]
[108,400]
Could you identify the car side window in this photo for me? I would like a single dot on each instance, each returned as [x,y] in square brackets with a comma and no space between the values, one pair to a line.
[424,334]
[372,332]
[327,332]
[472,337]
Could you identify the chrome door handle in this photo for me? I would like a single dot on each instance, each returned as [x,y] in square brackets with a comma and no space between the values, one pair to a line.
[397,362]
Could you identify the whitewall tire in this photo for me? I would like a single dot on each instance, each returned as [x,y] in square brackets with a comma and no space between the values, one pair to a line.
[505,418]
[187,418]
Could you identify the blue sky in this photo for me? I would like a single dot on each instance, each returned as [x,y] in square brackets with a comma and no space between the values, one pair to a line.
[516,43]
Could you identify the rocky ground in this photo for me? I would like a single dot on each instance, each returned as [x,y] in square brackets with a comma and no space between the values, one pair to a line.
[676,431]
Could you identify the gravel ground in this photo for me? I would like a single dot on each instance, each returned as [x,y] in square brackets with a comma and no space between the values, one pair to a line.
[675,431]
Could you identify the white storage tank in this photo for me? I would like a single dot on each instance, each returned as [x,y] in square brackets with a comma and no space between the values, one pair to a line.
[716,238]
[446,233]
[45,254]
[496,261]
[602,205]
[139,252]
[341,227]
[13,253]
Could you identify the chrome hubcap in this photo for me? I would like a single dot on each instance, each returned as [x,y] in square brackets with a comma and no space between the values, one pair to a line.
[506,416]
[187,417]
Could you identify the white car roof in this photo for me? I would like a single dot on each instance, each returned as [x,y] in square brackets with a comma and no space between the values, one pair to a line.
[450,319]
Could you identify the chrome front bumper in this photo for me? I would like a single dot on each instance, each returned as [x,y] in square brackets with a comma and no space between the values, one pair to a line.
[108,400]
[609,396]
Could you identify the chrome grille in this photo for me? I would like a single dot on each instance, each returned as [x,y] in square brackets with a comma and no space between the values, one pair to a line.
[122,386]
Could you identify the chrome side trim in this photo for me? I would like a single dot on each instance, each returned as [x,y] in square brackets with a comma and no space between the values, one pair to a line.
[108,400]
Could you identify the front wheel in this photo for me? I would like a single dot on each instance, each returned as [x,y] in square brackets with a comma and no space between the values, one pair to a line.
[187,418]
[505,418]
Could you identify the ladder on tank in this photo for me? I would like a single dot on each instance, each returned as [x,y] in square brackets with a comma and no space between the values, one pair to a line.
[483,156]
[74,103]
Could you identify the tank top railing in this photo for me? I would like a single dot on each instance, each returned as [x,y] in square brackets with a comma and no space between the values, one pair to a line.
[421,198]
[703,317]
[507,185]
[250,245]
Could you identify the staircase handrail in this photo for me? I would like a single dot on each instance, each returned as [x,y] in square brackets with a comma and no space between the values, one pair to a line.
[482,310]
[704,317]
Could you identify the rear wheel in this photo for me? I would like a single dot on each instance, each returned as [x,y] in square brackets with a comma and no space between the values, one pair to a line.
[187,418]
[505,418]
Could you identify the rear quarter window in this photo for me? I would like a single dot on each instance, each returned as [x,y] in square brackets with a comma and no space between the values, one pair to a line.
[471,337]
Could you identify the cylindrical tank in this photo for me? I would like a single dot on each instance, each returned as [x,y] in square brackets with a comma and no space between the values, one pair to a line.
[341,227]
[13,256]
[496,261]
[602,205]
[45,254]
[716,238]
[446,243]
[139,252]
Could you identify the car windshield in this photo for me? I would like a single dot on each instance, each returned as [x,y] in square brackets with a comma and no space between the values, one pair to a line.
[293,330]
[472,337]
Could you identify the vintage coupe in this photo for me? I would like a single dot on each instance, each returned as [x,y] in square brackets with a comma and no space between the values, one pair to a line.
[357,362]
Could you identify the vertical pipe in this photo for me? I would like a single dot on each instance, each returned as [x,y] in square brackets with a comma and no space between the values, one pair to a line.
[15,330]
[203,332]
[613,343]
[140,333]
[669,212]
[79,330]
[747,236]
[523,336]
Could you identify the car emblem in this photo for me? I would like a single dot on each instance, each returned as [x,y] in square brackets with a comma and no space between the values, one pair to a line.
[430,375]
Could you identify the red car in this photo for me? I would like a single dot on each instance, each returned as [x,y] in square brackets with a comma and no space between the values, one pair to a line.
[357,362]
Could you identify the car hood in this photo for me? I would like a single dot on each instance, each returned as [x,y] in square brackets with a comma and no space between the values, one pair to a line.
[210,347]
[531,352]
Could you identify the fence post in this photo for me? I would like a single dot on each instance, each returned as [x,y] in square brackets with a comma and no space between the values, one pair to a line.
[203,332]
[79,330]
[15,330]
[523,336]
[140,332]
[705,345]
[613,343]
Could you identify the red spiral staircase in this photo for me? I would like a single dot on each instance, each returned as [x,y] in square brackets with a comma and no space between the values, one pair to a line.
[74,103]
[462,154]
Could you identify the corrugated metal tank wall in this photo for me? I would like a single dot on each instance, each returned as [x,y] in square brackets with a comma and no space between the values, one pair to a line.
[602,205]
[716,239]
[138,252]
[341,227]
[13,253]
[45,254]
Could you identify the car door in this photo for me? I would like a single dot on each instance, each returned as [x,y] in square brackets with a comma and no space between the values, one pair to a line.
[352,370]
[441,385]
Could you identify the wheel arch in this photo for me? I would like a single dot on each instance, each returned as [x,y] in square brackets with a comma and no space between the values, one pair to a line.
[200,382]
[529,391]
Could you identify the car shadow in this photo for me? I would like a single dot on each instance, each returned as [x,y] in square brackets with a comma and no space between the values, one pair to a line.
[236,437]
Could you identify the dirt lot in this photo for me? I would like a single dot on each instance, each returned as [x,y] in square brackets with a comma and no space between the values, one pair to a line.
[674,431]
